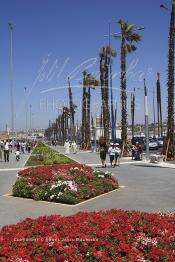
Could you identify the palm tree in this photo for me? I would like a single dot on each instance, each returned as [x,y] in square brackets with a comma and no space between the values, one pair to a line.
[84,105]
[170,84]
[72,110]
[105,56]
[64,123]
[91,84]
[128,37]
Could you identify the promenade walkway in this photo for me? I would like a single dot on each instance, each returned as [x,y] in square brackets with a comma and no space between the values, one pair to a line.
[145,189]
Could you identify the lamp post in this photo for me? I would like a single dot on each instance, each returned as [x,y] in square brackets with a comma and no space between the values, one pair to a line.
[146,120]
[25,88]
[30,117]
[111,90]
[11,86]
[154,114]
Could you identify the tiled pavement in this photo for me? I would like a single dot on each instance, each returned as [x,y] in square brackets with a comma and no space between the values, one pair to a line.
[146,189]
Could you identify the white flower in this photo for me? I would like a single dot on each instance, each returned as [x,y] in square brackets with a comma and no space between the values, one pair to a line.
[101,176]
[52,196]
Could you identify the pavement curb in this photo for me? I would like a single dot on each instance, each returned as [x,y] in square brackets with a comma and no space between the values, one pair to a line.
[62,204]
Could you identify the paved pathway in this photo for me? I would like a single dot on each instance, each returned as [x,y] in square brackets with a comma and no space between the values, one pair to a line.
[13,164]
[146,189]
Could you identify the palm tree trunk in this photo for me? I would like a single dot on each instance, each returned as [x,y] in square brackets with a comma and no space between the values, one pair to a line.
[88,120]
[83,128]
[170,84]
[106,114]
[72,120]
[123,93]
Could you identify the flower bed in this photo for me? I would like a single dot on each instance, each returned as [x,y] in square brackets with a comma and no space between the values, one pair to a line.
[114,235]
[44,155]
[70,184]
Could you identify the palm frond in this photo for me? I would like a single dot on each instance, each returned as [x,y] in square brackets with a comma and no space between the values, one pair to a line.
[130,28]
[134,37]
[130,48]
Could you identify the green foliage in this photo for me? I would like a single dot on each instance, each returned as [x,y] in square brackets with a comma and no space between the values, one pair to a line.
[41,193]
[22,189]
[44,155]
[48,162]
[69,197]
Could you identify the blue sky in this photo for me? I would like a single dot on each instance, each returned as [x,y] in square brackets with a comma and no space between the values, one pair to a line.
[53,38]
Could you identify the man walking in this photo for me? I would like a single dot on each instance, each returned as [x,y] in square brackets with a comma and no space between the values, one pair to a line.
[6,151]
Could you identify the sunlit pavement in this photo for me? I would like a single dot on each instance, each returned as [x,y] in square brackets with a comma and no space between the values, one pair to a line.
[13,164]
[142,188]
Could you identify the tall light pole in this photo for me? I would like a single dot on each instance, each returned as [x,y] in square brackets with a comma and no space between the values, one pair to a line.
[146,120]
[111,91]
[25,88]
[11,86]
[30,117]
[154,114]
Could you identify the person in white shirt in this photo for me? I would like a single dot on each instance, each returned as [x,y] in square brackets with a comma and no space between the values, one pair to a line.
[74,147]
[6,151]
[117,154]
[67,147]
[111,152]
[17,153]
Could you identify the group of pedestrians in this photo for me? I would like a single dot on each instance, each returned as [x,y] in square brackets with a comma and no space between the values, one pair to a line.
[70,146]
[114,154]
[20,147]
[137,151]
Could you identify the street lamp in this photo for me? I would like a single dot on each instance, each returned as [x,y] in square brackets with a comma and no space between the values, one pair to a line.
[154,114]
[146,120]
[164,7]
[25,88]
[11,86]
[30,117]
[111,90]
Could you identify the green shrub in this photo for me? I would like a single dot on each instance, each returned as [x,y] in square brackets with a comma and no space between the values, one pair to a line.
[48,162]
[22,189]
[69,197]
[40,193]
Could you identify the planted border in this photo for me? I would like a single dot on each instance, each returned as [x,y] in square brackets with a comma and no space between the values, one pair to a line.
[69,184]
[44,155]
[114,235]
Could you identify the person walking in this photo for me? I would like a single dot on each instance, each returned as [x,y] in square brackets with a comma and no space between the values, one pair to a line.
[103,151]
[111,152]
[17,153]
[18,146]
[133,149]
[117,154]
[1,149]
[67,147]
[6,151]
[74,147]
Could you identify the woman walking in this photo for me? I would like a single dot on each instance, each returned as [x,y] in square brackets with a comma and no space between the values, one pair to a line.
[111,152]
[117,154]
[103,151]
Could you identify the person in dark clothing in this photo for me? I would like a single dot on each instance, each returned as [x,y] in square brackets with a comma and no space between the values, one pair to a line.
[18,147]
[103,151]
